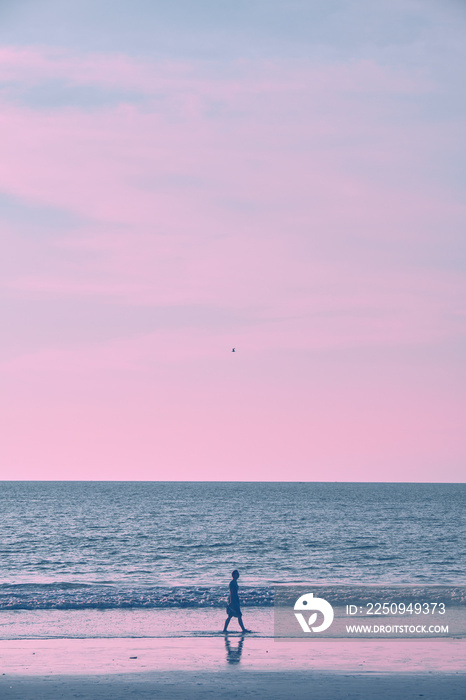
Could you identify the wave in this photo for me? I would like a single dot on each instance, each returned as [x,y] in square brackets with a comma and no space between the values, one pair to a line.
[80,596]
[341,595]
[74,597]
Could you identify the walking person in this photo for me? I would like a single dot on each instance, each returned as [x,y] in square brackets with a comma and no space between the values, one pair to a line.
[233,606]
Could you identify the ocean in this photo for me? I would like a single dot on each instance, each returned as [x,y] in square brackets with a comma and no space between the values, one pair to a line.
[83,559]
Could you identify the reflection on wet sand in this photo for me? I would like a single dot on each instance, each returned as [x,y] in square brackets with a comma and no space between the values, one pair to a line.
[234,651]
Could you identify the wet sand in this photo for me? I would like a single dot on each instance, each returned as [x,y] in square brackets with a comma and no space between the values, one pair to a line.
[212,667]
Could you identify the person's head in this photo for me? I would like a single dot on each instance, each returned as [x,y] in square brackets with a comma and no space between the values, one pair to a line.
[235,574]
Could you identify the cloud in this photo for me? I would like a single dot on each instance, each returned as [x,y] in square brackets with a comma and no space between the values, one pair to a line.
[298,202]
[273,134]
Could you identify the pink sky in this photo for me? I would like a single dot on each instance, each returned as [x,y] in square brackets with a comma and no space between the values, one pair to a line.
[158,211]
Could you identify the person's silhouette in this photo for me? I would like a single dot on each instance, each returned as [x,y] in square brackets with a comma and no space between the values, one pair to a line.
[233,606]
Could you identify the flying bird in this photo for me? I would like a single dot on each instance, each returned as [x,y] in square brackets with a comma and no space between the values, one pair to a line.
[233,350]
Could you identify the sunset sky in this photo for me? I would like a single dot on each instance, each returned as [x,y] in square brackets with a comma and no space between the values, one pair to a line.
[181,177]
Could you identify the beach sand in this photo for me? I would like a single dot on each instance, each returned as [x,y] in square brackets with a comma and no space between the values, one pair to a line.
[105,669]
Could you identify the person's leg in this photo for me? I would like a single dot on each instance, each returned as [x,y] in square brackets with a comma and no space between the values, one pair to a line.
[227,622]
[240,620]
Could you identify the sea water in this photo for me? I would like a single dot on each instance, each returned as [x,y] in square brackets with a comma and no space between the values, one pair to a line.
[90,559]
